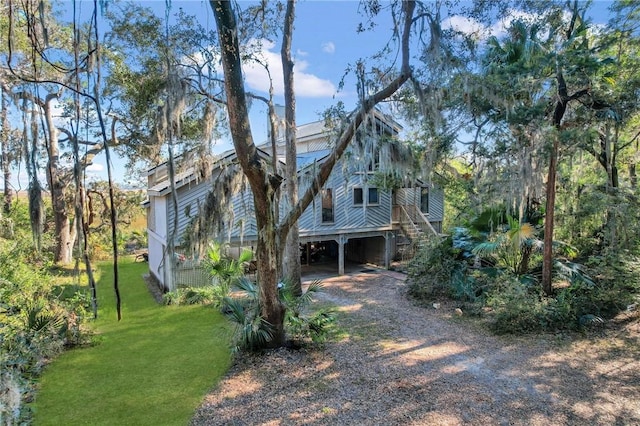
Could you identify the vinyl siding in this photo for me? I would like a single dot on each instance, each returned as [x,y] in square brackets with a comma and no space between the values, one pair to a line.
[347,216]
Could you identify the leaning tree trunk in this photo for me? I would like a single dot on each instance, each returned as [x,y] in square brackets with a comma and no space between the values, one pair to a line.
[263,185]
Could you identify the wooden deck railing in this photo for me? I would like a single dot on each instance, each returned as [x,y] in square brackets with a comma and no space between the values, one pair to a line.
[413,221]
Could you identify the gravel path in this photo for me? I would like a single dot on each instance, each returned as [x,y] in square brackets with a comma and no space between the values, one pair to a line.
[404,364]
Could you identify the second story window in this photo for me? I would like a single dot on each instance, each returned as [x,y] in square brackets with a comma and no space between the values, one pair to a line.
[327,205]
[358,197]
[374,162]
[373,196]
[424,200]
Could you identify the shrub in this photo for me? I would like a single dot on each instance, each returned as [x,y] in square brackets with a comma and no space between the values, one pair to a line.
[432,269]
[515,308]
[193,296]
[36,323]
[300,322]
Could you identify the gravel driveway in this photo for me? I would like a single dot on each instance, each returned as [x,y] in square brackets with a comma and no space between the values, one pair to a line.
[403,364]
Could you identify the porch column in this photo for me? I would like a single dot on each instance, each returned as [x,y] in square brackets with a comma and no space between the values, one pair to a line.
[389,238]
[341,242]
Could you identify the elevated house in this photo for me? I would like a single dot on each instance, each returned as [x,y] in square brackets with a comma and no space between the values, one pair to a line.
[367,212]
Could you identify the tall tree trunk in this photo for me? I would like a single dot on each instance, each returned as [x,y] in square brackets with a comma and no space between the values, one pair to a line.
[267,258]
[563,99]
[263,185]
[5,155]
[547,255]
[62,229]
[291,267]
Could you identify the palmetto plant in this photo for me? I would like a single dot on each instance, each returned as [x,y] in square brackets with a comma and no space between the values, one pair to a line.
[223,269]
[511,248]
[299,322]
[253,331]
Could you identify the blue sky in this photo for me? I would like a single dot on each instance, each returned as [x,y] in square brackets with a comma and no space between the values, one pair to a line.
[325,43]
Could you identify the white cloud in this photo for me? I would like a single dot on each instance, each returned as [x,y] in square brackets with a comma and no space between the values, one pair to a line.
[464,25]
[95,168]
[479,31]
[499,29]
[306,84]
[328,47]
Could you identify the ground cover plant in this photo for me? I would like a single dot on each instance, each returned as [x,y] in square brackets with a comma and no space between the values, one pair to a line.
[496,275]
[38,317]
[152,367]
[237,297]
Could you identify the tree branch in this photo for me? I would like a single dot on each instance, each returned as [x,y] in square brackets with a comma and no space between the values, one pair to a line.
[349,131]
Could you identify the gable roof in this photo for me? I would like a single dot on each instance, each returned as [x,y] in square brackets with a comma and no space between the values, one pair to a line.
[190,175]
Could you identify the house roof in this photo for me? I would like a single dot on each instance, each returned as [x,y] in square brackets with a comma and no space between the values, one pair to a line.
[183,178]
[164,187]
[310,157]
[305,132]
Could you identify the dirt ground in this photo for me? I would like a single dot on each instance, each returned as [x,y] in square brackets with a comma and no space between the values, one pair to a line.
[398,363]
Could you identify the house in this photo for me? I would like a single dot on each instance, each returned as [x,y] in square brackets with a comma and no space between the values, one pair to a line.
[357,216]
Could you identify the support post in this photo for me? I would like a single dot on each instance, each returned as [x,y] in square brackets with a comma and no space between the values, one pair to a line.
[388,239]
[341,242]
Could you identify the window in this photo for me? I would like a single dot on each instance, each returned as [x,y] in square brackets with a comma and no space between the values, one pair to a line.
[327,205]
[374,163]
[424,200]
[358,199]
[373,196]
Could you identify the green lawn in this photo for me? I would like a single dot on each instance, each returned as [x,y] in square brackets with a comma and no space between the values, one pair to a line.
[152,368]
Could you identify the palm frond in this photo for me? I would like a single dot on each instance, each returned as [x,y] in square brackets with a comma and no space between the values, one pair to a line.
[573,272]
[235,311]
[245,256]
[486,248]
[247,286]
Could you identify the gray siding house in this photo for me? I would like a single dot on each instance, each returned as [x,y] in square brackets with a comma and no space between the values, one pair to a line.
[351,219]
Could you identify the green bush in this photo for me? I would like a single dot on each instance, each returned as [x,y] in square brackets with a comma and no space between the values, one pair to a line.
[301,323]
[519,308]
[597,289]
[37,320]
[432,269]
[192,296]
[514,307]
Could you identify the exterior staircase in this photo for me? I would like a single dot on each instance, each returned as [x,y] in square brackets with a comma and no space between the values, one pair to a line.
[414,225]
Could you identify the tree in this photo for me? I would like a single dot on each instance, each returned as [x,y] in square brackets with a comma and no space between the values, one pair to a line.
[526,92]
[51,62]
[291,266]
[8,137]
[574,37]
[263,183]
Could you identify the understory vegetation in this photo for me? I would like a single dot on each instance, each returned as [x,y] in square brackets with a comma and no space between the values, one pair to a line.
[237,297]
[55,356]
[495,274]
[43,311]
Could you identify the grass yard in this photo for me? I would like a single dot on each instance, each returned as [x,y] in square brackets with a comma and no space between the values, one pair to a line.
[152,368]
